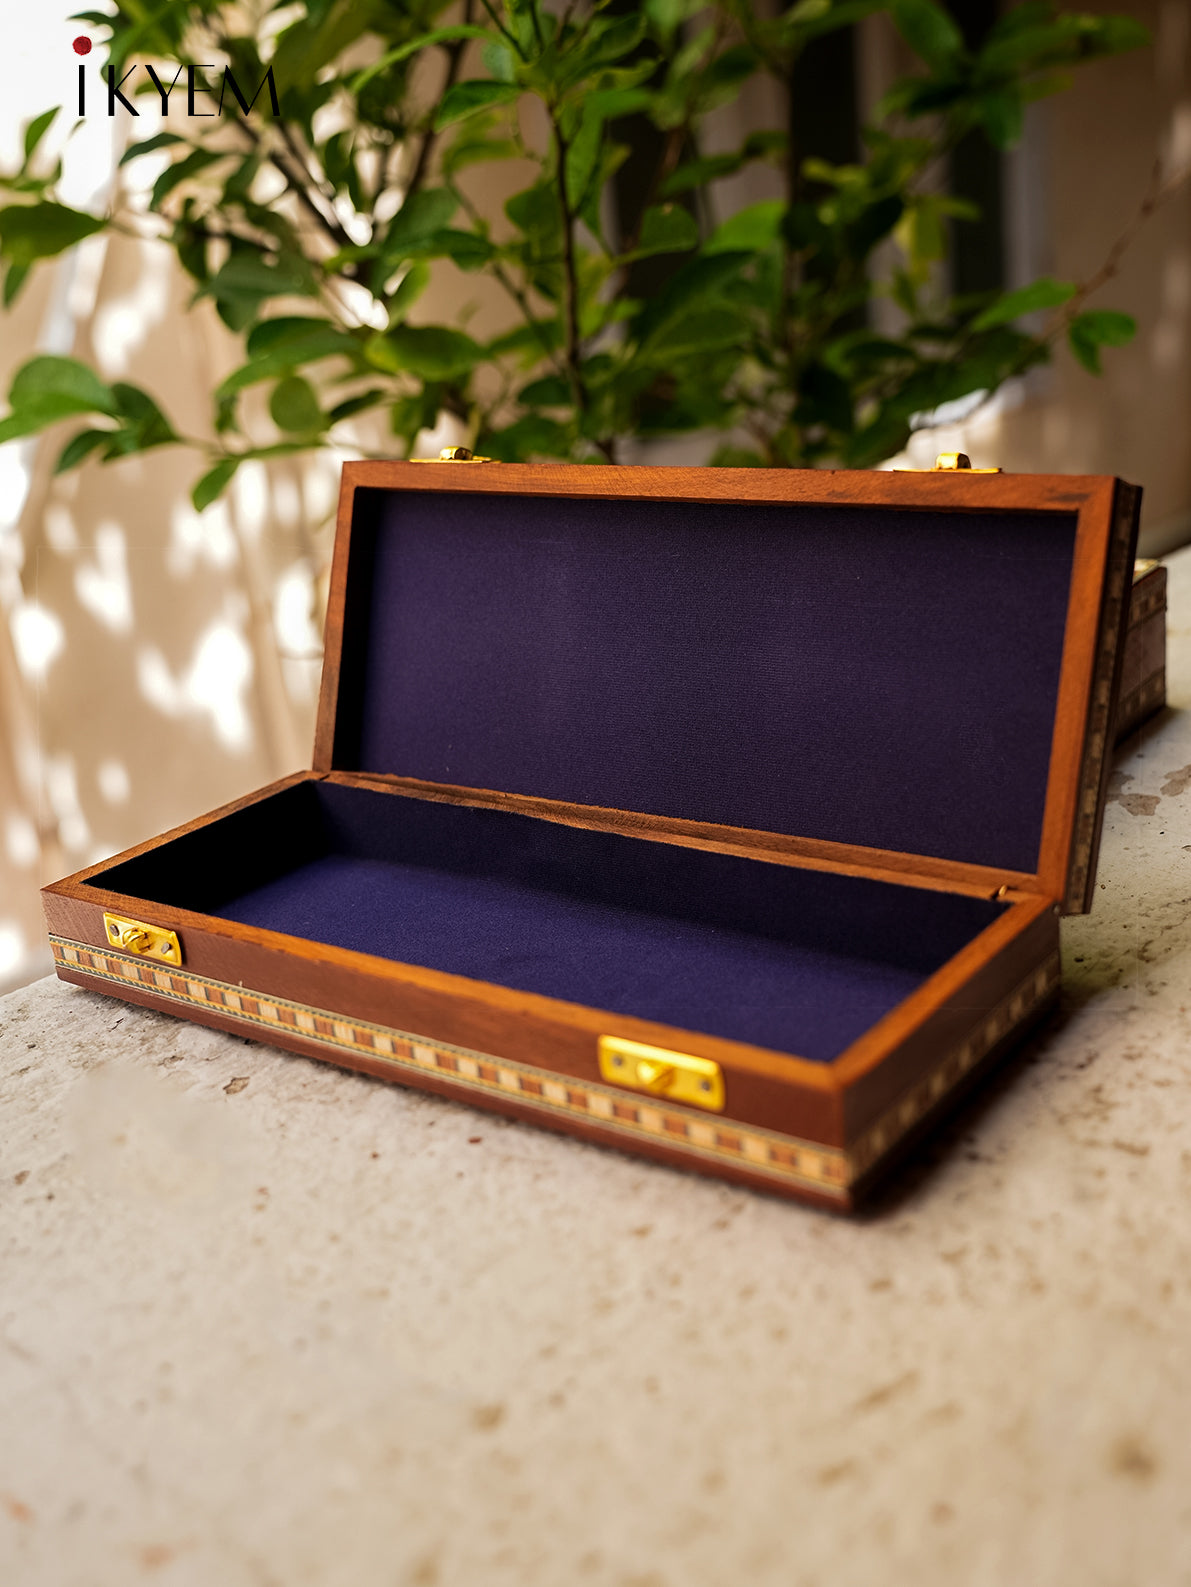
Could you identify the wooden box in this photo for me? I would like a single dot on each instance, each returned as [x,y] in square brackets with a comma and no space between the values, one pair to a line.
[721,816]
[1142,690]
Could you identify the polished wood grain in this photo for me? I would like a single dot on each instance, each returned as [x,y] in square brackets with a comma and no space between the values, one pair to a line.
[848,859]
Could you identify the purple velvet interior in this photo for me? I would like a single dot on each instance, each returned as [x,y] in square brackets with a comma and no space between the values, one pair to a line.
[860,674]
[800,961]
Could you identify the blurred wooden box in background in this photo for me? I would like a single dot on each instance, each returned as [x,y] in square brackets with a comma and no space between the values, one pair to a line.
[1143,665]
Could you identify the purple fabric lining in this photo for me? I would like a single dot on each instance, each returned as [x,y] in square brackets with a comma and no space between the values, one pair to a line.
[799,961]
[856,674]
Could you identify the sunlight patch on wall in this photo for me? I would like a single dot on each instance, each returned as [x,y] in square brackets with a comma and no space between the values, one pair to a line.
[206,537]
[60,532]
[20,840]
[114,782]
[103,586]
[16,470]
[12,948]
[320,486]
[287,500]
[37,637]
[122,324]
[250,489]
[214,684]
[1168,338]
[62,790]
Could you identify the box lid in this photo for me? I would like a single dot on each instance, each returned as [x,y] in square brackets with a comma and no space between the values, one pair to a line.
[894,673]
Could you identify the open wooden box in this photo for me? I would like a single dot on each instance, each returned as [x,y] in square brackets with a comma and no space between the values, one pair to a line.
[723,816]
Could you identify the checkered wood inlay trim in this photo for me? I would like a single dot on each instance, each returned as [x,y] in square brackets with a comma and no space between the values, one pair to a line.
[828,1170]
[998,1023]
[1117,586]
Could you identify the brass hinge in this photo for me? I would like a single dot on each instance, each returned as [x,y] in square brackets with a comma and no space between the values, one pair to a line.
[677,1076]
[950,463]
[454,454]
[150,942]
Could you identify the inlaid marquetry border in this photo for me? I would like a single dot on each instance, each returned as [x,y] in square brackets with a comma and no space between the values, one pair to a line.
[1096,743]
[785,1159]
[916,1103]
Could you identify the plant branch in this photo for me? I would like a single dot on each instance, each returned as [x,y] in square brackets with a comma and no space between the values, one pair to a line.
[501,275]
[501,29]
[430,138]
[328,224]
[569,275]
[1157,193]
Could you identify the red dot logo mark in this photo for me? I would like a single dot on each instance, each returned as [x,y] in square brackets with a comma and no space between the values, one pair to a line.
[82,45]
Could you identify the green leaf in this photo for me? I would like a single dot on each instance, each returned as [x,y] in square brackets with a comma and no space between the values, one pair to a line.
[467,249]
[583,156]
[38,231]
[285,330]
[535,210]
[213,483]
[874,224]
[1098,328]
[749,229]
[357,404]
[181,171]
[413,283]
[36,131]
[79,447]
[462,30]
[247,278]
[431,352]
[64,381]
[416,222]
[467,98]
[1002,116]
[14,279]
[287,352]
[1044,293]
[928,30]
[159,140]
[142,415]
[551,391]
[294,405]
[666,228]
[699,332]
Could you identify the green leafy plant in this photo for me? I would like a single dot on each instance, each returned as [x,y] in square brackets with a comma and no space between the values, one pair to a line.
[316,232]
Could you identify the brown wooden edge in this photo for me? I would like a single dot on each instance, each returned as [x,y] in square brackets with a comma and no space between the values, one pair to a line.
[848,859]
[1142,689]
[894,1054]
[1095,760]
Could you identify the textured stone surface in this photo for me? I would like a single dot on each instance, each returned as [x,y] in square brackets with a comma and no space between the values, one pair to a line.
[262,1322]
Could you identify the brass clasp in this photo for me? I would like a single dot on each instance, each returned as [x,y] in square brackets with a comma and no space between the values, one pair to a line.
[950,463]
[148,942]
[677,1076]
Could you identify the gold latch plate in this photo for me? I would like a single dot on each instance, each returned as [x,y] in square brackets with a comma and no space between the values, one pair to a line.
[147,942]
[677,1076]
[950,463]
[454,454]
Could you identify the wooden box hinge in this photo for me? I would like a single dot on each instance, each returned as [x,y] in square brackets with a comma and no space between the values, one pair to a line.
[950,463]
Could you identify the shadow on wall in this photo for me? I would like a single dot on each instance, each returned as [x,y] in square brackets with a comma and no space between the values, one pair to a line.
[155,662]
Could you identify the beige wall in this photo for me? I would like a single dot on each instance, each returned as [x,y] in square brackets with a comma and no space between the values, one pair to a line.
[1076,187]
